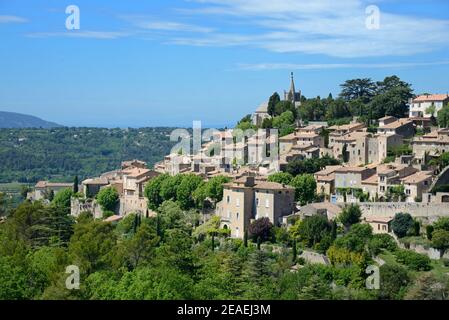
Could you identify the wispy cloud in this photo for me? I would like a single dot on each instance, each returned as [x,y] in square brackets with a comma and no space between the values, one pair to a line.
[107,35]
[154,24]
[329,27]
[12,19]
[325,66]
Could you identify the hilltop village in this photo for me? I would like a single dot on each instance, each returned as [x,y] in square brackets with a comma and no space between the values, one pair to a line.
[391,165]
[295,202]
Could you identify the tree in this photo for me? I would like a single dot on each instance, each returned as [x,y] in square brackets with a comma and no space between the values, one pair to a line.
[153,189]
[350,215]
[272,102]
[280,177]
[305,188]
[393,281]
[443,117]
[401,224]
[440,240]
[429,231]
[75,185]
[138,249]
[442,224]
[92,246]
[62,199]
[260,228]
[363,89]
[2,204]
[214,188]
[107,198]
[312,230]
[185,190]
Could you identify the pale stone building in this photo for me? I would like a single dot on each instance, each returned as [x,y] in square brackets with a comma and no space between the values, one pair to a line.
[247,199]
[419,106]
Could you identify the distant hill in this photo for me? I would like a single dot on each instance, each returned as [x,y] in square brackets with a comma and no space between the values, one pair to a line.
[18,120]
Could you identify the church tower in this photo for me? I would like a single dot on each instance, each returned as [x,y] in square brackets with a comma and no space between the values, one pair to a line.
[293,96]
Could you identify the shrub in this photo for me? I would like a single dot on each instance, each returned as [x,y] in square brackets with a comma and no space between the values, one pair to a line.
[401,224]
[262,228]
[413,260]
[381,241]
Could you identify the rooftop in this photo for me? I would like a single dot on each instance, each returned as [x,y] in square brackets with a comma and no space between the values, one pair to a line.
[417,177]
[47,184]
[431,97]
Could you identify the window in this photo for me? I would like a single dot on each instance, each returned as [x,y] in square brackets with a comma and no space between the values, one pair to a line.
[267,203]
[237,202]
[237,232]
[378,227]
[382,188]
[407,191]
[229,214]
[257,201]
[228,199]
[237,215]
[358,152]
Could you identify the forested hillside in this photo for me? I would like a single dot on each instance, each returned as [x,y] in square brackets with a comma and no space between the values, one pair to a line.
[29,155]
[18,120]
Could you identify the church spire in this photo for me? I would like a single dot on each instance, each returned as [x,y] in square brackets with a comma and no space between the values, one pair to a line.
[292,85]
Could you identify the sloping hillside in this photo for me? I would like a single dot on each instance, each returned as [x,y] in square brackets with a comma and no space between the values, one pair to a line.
[18,120]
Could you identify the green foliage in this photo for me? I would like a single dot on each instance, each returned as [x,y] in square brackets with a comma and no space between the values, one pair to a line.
[107,198]
[153,191]
[188,185]
[382,241]
[281,177]
[310,166]
[305,188]
[61,153]
[440,240]
[272,102]
[393,282]
[350,215]
[312,230]
[443,117]
[401,224]
[413,260]
[356,239]
[62,199]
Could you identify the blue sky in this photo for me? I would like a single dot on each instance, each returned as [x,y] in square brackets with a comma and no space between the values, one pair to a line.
[153,63]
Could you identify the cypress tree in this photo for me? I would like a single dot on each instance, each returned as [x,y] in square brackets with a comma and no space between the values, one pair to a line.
[259,240]
[245,239]
[295,253]
[75,185]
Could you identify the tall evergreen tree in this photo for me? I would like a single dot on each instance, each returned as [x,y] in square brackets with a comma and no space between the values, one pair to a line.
[75,184]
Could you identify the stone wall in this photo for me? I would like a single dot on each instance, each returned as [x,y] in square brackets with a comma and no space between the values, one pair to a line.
[78,206]
[430,211]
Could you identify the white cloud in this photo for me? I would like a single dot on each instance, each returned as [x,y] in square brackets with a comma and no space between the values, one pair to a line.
[12,19]
[150,23]
[321,66]
[329,27]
